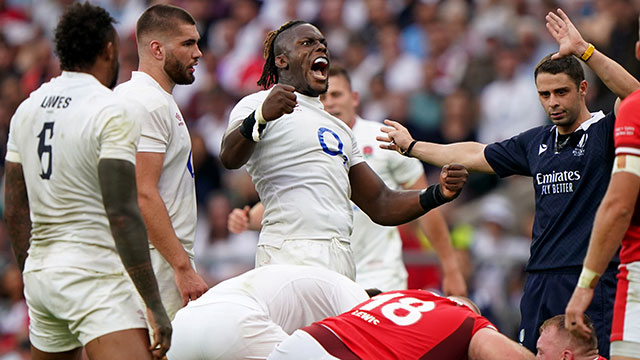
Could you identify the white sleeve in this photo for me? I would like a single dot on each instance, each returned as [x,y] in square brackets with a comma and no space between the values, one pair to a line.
[405,170]
[13,152]
[155,130]
[118,134]
[244,107]
[356,154]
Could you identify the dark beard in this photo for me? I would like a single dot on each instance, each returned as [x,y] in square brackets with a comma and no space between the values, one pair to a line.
[177,71]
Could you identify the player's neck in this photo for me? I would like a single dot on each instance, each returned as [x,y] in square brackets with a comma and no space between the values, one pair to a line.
[159,75]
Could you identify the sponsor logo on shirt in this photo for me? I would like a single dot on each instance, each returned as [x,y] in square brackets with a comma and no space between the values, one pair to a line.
[557,182]
[179,118]
[543,148]
[332,144]
[624,131]
[579,150]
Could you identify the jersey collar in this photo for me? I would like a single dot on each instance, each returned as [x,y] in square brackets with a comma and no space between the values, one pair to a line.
[143,76]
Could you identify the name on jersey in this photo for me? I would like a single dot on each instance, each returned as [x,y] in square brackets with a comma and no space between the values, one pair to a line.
[366,317]
[55,102]
[557,182]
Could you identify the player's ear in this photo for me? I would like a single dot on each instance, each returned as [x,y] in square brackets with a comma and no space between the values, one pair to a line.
[282,61]
[156,49]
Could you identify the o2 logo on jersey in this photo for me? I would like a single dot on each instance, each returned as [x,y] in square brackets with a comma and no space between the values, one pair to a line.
[403,312]
[332,145]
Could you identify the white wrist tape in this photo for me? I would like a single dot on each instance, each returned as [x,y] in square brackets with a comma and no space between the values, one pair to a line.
[627,163]
[260,121]
[588,278]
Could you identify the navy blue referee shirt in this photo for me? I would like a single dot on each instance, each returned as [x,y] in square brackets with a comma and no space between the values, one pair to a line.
[569,182]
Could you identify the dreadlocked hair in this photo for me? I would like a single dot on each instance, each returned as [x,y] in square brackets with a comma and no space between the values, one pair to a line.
[269,74]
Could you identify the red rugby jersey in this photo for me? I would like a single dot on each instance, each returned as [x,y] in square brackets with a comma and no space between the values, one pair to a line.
[626,137]
[408,324]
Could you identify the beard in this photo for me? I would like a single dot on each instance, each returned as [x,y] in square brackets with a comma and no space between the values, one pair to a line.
[178,72]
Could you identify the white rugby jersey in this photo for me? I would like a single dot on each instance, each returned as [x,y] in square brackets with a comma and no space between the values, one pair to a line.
[165,131]
[301,171]
[377,249]
[58,135]
[292,296]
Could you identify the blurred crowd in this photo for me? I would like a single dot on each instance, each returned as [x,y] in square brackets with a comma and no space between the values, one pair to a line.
[449,70]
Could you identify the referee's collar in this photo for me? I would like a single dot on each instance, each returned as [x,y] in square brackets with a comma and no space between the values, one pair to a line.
[595,117]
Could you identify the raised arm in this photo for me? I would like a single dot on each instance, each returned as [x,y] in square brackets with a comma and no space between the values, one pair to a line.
[118,185]
[240,140]
[435,228]
[390,207]
[161,232]
[16,211]
[469,154]
[612,74]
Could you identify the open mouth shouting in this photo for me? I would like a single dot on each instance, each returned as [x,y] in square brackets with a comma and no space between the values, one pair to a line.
[320,68]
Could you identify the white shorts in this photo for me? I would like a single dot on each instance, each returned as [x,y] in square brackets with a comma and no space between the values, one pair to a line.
[300,345]
[69,307]
[223,331]
[169,292]
[625,329]
[383,279]
[332,254]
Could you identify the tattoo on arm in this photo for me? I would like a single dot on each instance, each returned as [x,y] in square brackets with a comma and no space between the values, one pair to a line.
[16,212]
[118,184]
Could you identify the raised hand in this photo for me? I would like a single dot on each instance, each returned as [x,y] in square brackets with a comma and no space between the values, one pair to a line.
[281,100]
[452,179]
[397,137]
[566,34]
[238,220]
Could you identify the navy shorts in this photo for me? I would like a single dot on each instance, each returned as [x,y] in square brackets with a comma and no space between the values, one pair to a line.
[546,294]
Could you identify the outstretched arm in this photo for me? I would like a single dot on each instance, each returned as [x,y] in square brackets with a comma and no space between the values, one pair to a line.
[435,228]
[611,223]
[161,232]
[118,184]
[468,154]
[389,207]
[612,74]
[16,211]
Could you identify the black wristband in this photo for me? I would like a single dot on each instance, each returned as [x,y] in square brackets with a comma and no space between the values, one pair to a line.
[408,151]
[246,128]
[431,197]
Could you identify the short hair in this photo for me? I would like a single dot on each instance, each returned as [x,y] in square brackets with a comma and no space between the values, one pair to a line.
[82,33]
[269,74]
[337,70]
[162,18]
[567,64]
[590,343]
